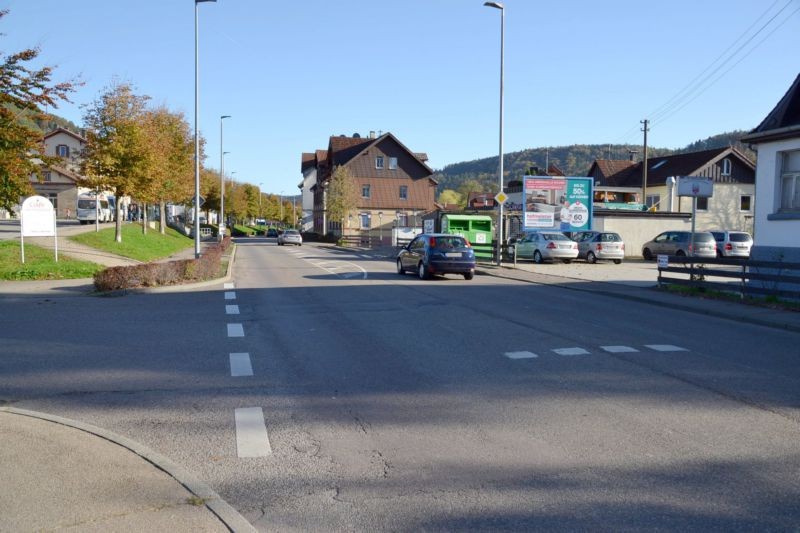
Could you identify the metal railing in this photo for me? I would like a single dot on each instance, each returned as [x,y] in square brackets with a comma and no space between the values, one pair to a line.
[745,277]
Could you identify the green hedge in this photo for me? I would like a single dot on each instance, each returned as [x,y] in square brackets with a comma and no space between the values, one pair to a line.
[165,273]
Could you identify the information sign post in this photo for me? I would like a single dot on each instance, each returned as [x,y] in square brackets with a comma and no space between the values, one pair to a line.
[37,219]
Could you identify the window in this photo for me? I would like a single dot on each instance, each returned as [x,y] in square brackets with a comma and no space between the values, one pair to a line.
[62,150]
[790,181]
[404,192]
[392,163]
[379,162]
[365,191]
[653,200]
[402,220]
[702,204]
[726,167]
[745,202]
[46,176]
[365,220]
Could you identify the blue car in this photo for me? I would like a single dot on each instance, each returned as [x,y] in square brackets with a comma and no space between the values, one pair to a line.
[437,253]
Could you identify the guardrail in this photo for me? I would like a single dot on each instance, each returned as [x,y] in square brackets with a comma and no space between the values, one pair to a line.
[747,277]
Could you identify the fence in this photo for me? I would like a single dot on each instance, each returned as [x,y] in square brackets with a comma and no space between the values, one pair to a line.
[745,277]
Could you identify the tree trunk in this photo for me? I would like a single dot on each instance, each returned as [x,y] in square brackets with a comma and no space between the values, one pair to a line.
[117,222]
[162,209]
[144,218]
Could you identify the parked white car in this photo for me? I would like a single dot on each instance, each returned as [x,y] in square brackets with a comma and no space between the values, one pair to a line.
[732,243]
[546,245]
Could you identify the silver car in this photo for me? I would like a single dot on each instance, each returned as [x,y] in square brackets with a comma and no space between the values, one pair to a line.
[680,243]
[290,236]
[594,245]
[733,243]
[546,245]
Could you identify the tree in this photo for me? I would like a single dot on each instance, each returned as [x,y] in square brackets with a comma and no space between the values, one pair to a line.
[24,91]
[171,158]
[449,196]
[341,196]
[117,153]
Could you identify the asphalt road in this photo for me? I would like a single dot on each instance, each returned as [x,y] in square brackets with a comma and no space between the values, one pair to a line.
[386,403]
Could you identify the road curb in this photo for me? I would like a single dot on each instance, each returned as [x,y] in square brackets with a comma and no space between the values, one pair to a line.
[670,305]
[229,516]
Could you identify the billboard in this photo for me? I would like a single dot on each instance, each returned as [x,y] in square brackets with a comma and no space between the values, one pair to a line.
[563,204]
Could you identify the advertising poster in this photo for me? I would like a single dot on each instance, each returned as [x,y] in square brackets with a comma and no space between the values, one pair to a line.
[563,204]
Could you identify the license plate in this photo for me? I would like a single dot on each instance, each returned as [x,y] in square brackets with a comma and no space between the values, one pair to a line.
[453,254]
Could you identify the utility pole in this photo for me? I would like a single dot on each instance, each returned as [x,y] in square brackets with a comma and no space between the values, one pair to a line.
[645,129]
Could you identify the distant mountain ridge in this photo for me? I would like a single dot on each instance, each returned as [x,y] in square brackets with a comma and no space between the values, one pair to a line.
[573,160]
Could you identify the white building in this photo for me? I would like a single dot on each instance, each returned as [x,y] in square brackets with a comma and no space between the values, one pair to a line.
[777,215]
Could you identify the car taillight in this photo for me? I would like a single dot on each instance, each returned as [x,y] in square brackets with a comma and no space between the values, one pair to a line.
[729,246]
[433,242]
[599,247]
[623,246]
[551,245]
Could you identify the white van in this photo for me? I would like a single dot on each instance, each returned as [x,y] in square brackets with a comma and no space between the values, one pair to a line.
[88,209]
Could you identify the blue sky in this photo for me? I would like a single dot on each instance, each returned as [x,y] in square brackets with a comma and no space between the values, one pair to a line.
[295,72]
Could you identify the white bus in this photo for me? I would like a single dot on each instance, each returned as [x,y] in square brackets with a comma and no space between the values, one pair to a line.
[88,209]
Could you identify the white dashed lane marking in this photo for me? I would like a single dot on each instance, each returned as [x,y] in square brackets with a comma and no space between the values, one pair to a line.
[666,348]
[521,355]
[251,433]
[619,349]
[231,309]
[570,351]
[241,365]
[235,330]
[230,295]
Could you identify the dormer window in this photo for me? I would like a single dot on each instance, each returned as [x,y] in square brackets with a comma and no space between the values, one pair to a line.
[62,150]
[379,162]
[726,167]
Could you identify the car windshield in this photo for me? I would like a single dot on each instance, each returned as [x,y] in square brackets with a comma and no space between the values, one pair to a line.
[609,237]
[703,237]
[739,237]
[449,242]
[291,232]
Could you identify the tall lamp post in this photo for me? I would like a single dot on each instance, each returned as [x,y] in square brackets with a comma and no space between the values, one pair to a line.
[260,194]
[281,207]
[499,5]
[197,133]
[222,179]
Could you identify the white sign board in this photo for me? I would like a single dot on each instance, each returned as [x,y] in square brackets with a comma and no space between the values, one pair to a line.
[37,217]
[663,261]
[695,186]
[427,225]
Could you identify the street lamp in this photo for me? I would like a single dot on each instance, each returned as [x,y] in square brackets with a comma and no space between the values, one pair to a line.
[197,134]
[499,5]
[260,194]
[281,207]
[380,227]
[222,179]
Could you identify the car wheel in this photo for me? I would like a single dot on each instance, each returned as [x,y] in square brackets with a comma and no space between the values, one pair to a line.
[469,275]
[617,261]
[591,258]
[680,253]
[422,271]
[567,261]
[400,269]
[647,254]
[537,257]
[719,254]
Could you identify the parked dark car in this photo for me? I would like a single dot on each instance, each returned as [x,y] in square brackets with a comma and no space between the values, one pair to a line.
[272,232]
[437,253]
[680,243]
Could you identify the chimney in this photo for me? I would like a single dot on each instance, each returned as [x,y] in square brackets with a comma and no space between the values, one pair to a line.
[632,155]
[372,134]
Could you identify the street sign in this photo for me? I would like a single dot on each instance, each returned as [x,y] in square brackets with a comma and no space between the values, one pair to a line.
[501,198]
[696,186]
[202,201]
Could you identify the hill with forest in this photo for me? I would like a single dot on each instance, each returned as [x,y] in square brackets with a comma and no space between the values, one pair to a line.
[47,125]
[575,160]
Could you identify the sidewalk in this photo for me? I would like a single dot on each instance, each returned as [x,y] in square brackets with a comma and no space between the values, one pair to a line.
[62,474]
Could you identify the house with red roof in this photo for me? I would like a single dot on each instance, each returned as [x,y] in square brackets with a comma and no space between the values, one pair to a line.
[394,185]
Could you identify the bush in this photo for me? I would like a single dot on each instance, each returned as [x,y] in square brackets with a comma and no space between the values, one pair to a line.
[165,273]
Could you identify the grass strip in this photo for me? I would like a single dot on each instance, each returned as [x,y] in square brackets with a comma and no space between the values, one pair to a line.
[135,244]
[40,264]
